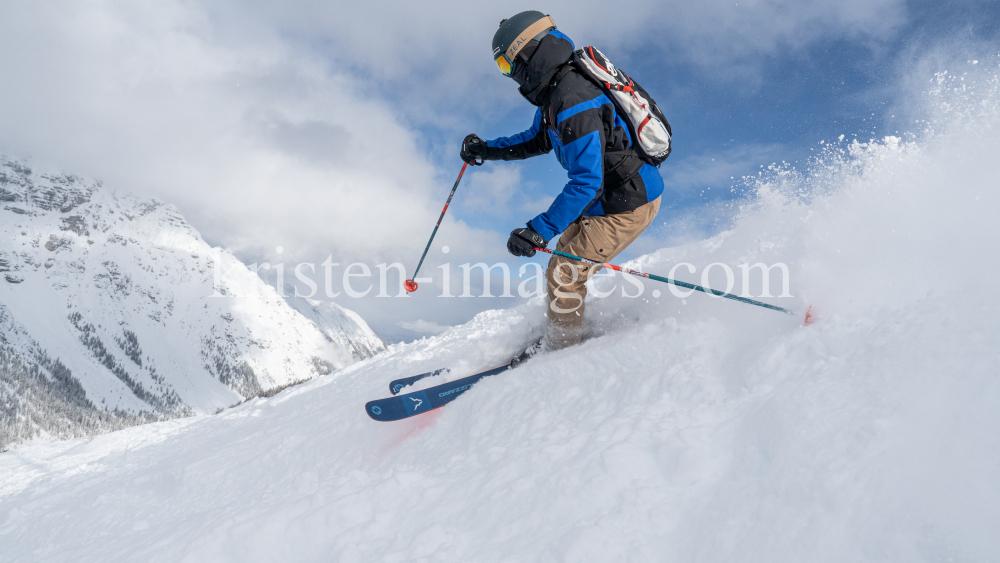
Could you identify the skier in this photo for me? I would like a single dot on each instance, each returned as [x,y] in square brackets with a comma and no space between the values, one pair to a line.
[612,194]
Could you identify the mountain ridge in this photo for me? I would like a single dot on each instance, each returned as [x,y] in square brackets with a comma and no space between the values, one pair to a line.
[111,303]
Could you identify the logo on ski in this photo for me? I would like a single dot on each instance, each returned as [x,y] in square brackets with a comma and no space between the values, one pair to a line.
[417,401]
[455,390]
[376,410]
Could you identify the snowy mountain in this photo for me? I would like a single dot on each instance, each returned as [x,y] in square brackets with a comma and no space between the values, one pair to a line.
[110,315]
[345,328]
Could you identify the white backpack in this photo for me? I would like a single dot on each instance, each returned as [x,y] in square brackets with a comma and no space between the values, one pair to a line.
[649,128]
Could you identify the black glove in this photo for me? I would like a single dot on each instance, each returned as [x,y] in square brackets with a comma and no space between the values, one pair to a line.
[473,150]
[522,242]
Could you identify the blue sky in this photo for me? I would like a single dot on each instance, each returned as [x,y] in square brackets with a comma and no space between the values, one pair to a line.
[834,86]
[332,128]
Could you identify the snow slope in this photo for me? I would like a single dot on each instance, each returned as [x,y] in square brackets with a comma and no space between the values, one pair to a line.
[108,302]
[695,430]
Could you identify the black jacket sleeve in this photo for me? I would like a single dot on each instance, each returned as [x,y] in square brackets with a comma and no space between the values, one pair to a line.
[533,142]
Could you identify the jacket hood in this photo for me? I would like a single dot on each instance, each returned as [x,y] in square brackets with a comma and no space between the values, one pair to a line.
[535,77]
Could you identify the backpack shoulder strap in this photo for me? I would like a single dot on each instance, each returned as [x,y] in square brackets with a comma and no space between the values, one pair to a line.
[566,69]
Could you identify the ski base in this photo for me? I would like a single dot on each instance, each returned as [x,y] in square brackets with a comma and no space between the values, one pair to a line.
[425,400]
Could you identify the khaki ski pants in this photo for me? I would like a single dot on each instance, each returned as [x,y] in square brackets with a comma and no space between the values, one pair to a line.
[599,238]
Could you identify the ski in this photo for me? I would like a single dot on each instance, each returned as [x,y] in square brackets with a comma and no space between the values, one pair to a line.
[419,402]
[396,384]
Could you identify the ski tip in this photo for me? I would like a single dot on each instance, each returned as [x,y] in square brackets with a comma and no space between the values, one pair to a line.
[810,317]
[374,410]
[410,286]
[383,410]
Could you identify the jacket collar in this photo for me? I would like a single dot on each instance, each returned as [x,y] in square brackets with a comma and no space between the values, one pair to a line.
[535,77]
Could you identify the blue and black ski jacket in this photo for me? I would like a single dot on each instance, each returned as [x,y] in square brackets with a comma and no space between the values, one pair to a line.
[576,119]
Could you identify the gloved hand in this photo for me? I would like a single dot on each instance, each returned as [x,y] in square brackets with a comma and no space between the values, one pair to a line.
[473,150]
[523,241]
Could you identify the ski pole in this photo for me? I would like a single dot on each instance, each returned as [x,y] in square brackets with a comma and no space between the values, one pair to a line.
[411,285]
[668,280]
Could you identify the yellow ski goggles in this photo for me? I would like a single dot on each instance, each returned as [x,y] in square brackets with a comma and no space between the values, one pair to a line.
[504,64]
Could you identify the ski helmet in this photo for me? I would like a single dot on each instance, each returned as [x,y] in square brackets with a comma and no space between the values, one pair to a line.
[516,32]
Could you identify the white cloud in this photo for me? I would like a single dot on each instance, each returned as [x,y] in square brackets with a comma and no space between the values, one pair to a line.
[259,144]
[491,188]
